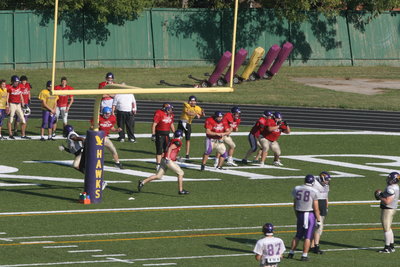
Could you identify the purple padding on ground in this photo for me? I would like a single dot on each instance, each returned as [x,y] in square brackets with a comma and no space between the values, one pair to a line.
[269,58]
[222,63]
[282,56]
[240,57]
[94,147]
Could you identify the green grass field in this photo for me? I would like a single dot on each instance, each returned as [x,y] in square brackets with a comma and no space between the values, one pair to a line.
[42,224]
[278,91]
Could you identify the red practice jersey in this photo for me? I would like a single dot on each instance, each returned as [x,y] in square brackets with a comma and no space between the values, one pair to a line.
[101,86]
[274,135]
[163,120]
[232,121]
[25,91]
[63,99]
[218,127]
[106,124]
[14,94]
[259,127]
[174,152]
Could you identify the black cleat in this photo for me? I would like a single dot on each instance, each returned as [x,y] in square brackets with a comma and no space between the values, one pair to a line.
[118,165]
[183,192]
[187,157]
[290,256]
[140,185]
[244,161]
[202,167]
[304,258]
[42,139]
[317,250]
[386,249]
[11,137]
[392,249]
[25,137]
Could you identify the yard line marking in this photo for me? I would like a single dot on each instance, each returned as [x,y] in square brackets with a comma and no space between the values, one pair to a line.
[37,242]
[192,236]
[71,246]
[55,263]
[3,233]
[159,264]
[85,251]
[110,255]
[185,230]
[119,260]
[14,184]
[169,208]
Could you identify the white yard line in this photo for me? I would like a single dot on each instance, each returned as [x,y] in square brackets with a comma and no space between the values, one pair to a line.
[85,251]
[110,255]
[69,246]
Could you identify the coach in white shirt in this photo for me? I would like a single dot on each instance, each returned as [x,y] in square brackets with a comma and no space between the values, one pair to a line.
[124,106]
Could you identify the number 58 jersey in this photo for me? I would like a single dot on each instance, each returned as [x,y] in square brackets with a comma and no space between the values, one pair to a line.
[304,196]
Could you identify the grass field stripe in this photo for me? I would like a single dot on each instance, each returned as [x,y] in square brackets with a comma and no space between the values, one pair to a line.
[182,230]
[71,246]
[85,251]
[261,205]
[190,236]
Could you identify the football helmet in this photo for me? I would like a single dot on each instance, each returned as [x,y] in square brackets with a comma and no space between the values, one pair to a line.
[192,98]
[15,78]
[309,179]
[178,133]
[167,107]
[26,110]
[106,111]
[324,178]
[393,178]
[218,114]
[67,130]
[268,229]
[235,110]
[267,113]
[277,115]
[48,84]
[110,75]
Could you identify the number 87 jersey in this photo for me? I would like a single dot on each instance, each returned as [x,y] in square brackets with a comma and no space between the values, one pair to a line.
[304,196]
[270,249]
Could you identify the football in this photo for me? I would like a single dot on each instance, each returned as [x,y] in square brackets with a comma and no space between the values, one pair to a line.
[377,194]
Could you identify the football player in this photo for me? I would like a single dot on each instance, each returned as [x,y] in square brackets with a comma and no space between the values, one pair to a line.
[16,102]
[163,123]
[169,162]
[107,99]
[306,208]
[49,103]
[254,134]
[190,111]
[269,250]
[26,94]
[4,107]
[216,129]
[64,103]
[389,202]
[270,135]
[74,146]
[106,124]
[233,120]
[322,186]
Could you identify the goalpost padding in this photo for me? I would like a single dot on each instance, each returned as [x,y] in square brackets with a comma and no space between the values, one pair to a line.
[94,156]
[282,56]
[240,57]
[268,60]
[222,63]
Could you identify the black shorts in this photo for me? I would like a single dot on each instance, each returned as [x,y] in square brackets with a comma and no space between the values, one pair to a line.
[322,207]
[162,140]
[187,130]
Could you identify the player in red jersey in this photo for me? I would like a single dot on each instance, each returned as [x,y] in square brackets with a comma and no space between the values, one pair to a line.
[233,120]
[216,129]
[163,123]
[169,162]
[106,124]
[26,94]
[64,103]
[254,135]
[270,135]
[16,102]
[107,99]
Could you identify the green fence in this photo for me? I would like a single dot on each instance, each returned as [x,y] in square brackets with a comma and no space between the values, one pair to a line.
[194,37]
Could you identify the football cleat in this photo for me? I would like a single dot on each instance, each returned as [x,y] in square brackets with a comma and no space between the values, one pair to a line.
[53,135]
[183,192]
[42,139]
[158,166]
[51,138]
[11,137]
[220,168]
[121,140]
[104,185]
[25,137]
[392,248]
[316,250]
[278,163]
[244,161]
[140,185]
[231,163]
[187,157]
[118,165]
[202,167]
[3,138]
[132,140]
[385,250]
[290,255]
[304,258]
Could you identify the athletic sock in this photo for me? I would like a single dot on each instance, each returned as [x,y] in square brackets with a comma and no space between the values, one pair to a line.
[305,255]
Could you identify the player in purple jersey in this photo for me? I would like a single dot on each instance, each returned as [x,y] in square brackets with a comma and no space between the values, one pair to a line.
[307,212]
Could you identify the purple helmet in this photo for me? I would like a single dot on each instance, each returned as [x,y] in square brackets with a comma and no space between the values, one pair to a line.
[14,78]
[109,75]
[324,177]
[67,130]
[268,229]
[393,178]
[48,84]
[178,133]
[235,110]
[277,115]
[192,98]
[267,113]
[309,179]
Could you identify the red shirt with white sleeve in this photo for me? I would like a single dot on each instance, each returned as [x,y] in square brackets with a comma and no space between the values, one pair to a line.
[175,151]
[163,120]
[106,124]
[233,122]
[259,127]
[63,99]
[14,94]
[217,127]
[275,134]
[101,86]
[25,91]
